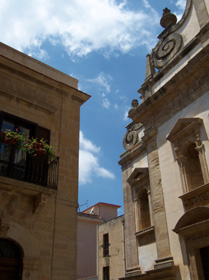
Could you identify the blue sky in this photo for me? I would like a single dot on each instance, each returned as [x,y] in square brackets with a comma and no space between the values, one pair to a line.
[102,43]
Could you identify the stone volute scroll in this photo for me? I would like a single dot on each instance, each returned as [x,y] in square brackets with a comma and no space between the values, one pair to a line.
[169,44]
[131,137]
[4,227]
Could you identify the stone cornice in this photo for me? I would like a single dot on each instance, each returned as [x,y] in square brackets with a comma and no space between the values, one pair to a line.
[128,156]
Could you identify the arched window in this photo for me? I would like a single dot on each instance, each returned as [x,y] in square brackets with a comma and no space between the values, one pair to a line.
[10,260]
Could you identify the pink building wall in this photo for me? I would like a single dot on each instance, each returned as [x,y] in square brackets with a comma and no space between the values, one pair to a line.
[88,220]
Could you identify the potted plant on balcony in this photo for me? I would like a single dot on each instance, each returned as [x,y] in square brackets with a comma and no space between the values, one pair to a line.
[35,147]
[12,138]
[29,145]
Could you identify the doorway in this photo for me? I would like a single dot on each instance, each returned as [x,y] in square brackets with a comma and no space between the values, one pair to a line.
[204,253]
[10,260]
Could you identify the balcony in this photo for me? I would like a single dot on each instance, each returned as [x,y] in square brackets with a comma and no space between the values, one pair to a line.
[40,170]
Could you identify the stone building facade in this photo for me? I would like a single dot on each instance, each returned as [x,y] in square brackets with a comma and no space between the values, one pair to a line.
[111,250]
[165,165]
[38,198]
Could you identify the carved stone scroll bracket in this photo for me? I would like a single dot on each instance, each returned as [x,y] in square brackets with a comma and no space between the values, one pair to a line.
[166,49]
[4,227]
[38,202]
[131,137]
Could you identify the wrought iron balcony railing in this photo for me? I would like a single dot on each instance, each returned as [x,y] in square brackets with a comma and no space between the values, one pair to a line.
[41,170]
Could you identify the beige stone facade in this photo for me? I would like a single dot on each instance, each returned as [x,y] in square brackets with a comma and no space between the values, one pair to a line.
[111,250]
[38,220]
[165,165]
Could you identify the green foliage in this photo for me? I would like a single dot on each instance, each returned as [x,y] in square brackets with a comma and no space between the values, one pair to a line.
[29,145]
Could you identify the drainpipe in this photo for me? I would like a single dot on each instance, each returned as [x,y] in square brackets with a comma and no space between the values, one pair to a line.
[124,250]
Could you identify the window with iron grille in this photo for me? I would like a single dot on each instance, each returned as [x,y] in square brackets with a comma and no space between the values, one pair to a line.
[18,164]
[106,245]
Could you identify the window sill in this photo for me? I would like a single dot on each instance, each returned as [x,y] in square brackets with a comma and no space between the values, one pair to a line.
[145,231]
[146,236]
[106,256]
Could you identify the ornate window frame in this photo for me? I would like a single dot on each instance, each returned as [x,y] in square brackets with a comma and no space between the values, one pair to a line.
[185,132]
[139,180]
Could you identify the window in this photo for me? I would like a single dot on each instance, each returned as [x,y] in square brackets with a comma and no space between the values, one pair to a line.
[13,162]
[106,273]
[139,181]
[189,151]
[17,164]
[143,210]
[204,253]
[106,245]
[192,167]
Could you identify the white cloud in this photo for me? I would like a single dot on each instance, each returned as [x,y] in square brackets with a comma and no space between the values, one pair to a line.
[125,116]
[106,103]
[89,166]
[181,4]
[81,26]
[102,80]
[87,145]
[102,84]
[116,106]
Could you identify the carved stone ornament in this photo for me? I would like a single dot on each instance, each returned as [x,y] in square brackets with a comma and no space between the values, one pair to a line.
[168,19]
[4,226]
[131,137]
[134,105]
[166,49]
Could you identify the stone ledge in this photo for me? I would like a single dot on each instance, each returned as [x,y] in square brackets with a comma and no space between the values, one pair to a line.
[166,273]
[145,231]
[17,186]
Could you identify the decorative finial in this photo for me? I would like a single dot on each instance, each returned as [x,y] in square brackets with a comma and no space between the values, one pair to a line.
[166,11]
[134,103]
[168,19]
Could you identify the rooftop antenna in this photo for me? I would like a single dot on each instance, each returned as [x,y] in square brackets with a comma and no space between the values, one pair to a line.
[79,210]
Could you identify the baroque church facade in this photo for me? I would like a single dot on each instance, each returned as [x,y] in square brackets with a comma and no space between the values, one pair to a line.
[165,165]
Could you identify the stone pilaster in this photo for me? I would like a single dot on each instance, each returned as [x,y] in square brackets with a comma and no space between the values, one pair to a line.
[158,206]
[132,265]
[201,11]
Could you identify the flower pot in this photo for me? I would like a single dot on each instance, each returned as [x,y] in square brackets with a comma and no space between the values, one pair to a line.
[10,141]
[38,147]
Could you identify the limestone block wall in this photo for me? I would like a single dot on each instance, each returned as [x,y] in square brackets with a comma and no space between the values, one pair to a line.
[171,177]
[116,258]
[174,112]
[35,92]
